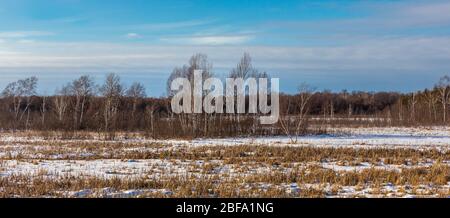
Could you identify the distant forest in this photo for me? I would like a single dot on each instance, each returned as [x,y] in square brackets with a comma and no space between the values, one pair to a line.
[82,105]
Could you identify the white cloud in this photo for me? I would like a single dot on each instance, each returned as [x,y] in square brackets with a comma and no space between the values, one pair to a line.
[133,36]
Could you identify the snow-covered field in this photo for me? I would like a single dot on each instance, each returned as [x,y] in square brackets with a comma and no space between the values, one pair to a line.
[363,162]
[415,138]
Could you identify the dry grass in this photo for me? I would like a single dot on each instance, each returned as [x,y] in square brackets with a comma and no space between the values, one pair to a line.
[222,171]
[241,186]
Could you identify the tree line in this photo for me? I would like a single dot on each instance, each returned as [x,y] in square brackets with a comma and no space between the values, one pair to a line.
[110,107]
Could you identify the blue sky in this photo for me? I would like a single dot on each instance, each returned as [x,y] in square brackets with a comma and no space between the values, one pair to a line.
[334,44]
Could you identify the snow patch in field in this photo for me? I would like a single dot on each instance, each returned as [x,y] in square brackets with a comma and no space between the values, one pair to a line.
[107,168]
[417,138]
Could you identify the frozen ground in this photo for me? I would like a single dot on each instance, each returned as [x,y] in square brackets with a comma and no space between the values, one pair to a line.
[394,162]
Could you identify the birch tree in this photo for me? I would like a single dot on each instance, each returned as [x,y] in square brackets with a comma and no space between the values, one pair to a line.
[60,102]
[431,99]
[444,94]
[82,89]
[21,91]
[245,70]
[196,62]
[112,91]
[292,126]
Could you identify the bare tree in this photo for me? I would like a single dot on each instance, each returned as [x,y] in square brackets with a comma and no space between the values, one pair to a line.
[14,93]
[135,92]
[60,102]
[43,110]
[29,86]
[413,103]
[444,94]
[431,99]
[244,68]
[112,91]
[292,125]
[150,110]
[82,88]
[176,73]
[19,92]
[196,62]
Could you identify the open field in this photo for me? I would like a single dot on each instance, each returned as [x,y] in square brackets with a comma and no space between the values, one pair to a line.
[375,162]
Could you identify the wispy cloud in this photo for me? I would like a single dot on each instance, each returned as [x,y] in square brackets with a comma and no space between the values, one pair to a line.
[386,19]
[415,53]
[171,25]
[388,59]
[209,40]
[26,41]
[133,36]
[69,20]
[23,34]
[424,14]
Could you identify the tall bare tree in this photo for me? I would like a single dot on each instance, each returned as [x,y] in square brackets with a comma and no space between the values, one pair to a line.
[244,70]
[413,103]
[112,90]
[60,102]
[43,110]
[14,93]
[82,88]
[431,99]
[135,92]
[21,91]
[444,94]
[292,125]
[196,62]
